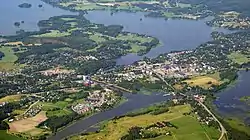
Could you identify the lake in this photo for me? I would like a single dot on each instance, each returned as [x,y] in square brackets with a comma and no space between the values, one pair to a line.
[175,34]
[135,101]
[228,103]
[10,13]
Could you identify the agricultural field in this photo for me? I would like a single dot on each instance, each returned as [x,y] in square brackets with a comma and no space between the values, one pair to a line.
[7,62]
[53,33]
[11,98]
[28,125]
[239,58]
[115,129]
[203,81]
[56,109]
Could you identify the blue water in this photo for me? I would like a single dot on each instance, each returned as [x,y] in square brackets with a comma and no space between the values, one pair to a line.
[10,13]
[175,34]
[228,102]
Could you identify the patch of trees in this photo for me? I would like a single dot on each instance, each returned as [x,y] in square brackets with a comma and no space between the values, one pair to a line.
[241,6]
[111,30]
[234,134]
[4,125]
[1,55]
[154,110]
[91,67]
[231,75]
[56,122]
[133,134]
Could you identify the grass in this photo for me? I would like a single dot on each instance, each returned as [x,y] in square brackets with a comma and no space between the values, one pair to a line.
[68,19]
[29,124]
[203,81]
[239,58]
[188,126]
[245,99]
[239,125]
[11,98]
[136,48]
[5,136]
[134,37]
[56,109]
[7,62]
[53,33]
[97,38]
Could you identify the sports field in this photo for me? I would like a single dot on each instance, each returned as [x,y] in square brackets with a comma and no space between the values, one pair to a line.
[188,126]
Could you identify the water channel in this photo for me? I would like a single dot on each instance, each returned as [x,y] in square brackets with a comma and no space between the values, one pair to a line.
[135,101]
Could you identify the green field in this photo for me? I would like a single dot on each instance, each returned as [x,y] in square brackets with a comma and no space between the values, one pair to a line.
[53,33]
[239,125]
[134,37]
[188,126]
[7,62]
[239,58]
[5,136]
[56,109]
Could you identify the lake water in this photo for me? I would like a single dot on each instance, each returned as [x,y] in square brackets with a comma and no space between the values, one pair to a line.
[10,13]
[135,101]
[228,103]
[175,34]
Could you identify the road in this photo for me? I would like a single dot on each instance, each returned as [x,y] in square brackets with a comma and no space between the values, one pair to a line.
[222,128]
[112,85]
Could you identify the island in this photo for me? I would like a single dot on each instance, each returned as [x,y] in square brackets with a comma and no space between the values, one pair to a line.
[25,5]
[17,24]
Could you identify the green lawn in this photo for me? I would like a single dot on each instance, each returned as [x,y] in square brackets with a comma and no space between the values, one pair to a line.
[5,136]
[97,38]
[239,58]
[7,62]
[56,109]
[134,37]
[136,48]
[53,33]
[68,19]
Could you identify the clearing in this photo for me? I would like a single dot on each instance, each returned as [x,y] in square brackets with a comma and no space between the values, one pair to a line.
[7,62]
[28,125]
[115,129]
[203,81]
[11,98]
[239,58]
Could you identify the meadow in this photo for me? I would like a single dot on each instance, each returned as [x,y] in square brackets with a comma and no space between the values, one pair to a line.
[7,62]
[189,127]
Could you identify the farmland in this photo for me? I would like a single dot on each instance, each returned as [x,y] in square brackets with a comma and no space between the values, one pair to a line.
[11,98]
[117,128]
[7,62]
[203,81]
[29,125]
